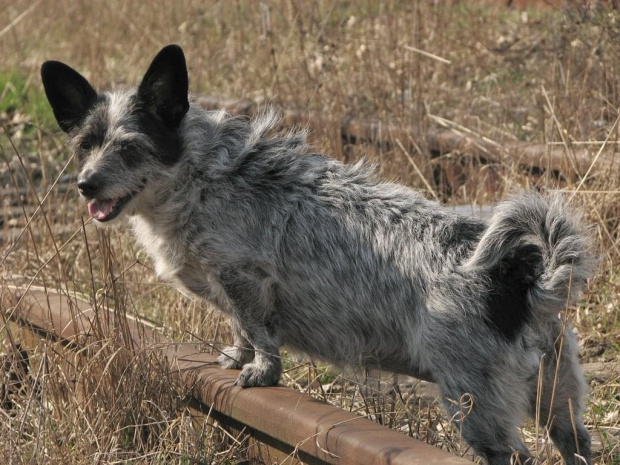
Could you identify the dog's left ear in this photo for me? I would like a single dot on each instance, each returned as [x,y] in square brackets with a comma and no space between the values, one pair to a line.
[164,88]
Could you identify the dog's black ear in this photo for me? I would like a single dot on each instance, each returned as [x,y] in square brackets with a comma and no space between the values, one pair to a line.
[164,87]
[69,93]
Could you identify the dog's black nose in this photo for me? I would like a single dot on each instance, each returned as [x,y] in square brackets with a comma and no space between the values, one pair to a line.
[89,187]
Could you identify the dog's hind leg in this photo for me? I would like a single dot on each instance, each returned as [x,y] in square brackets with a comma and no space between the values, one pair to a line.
[488,422]
[255,321]
[560,401]
[241,352]
[573,442]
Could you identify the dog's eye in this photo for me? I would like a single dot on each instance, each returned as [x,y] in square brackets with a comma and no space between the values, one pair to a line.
[86,145]
[125,146]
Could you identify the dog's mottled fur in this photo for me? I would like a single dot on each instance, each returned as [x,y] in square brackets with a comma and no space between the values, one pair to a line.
[302,250]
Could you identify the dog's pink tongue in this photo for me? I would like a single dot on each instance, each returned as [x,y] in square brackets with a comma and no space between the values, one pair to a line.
[100,209]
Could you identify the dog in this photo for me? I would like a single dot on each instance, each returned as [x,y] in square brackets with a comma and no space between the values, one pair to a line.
[299,249]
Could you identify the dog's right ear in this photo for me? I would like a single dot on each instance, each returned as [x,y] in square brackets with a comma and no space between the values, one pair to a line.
[69,93]
[164,88]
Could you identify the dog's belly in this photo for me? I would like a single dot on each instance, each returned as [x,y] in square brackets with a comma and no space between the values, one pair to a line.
[403,359]
[359,334]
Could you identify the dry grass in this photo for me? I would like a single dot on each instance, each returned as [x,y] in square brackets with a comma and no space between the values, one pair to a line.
[539,76]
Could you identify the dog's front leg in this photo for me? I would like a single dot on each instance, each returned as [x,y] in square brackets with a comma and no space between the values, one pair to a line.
[241,352]
[266,367]
[254,320]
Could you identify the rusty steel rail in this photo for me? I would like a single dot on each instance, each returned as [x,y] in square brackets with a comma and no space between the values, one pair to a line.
[292,425]
[572,161]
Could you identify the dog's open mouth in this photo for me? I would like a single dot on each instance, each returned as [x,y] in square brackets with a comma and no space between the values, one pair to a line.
[107,209]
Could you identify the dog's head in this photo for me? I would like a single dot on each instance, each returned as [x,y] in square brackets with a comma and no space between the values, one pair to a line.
[122,140]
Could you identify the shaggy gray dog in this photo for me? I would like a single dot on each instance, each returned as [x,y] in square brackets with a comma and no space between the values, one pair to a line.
[302,250]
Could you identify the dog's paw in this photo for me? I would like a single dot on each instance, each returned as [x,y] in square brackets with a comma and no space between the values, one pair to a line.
[233,358]
[254,374]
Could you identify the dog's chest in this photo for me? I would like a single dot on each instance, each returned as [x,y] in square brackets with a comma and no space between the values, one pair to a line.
[167,254]
[174,263]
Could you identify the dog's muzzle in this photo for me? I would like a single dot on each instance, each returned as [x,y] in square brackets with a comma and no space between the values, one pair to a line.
[99,209]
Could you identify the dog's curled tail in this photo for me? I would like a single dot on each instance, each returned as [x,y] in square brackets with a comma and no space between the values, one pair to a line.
[538,241]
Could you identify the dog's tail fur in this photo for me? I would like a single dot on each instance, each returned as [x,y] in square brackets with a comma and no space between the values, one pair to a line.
[552,252]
